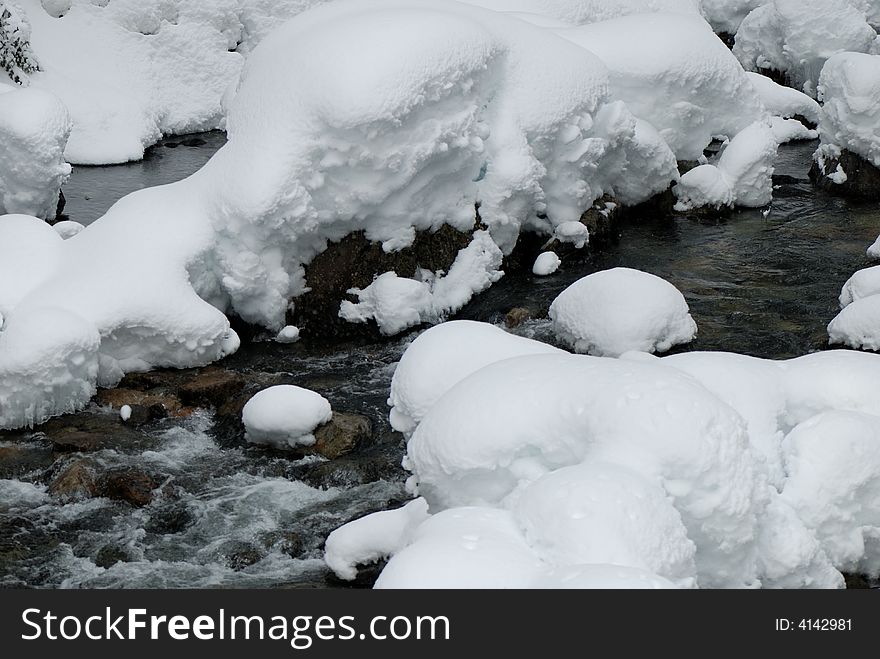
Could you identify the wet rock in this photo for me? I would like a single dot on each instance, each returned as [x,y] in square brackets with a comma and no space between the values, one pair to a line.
[351,471]
[517,316]
[110,555]
[91,432]
[211,387]
[128,484]
[342,435]
[146,406]
[168,519]
[862,178]
[75,481]
[292,544]
[355,261]
[240,555]
[18,460]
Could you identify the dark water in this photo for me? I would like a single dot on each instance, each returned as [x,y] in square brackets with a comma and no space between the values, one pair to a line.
[238,516]
[92,190]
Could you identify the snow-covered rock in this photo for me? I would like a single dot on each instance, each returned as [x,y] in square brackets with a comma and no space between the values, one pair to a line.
[443,356]
[783,101]
[796,37]
[850,90]
[728,15]
[743,175]
[30,251]
[34,128]
[874,250]
[284,416]
[864,283]
[833,465]
[857,325]
[708,469]
[580,12]
[546,264]
[288,334]
[397,303]
[673,72]
[615,311]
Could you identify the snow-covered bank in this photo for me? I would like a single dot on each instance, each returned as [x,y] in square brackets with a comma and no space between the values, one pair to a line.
[700,468]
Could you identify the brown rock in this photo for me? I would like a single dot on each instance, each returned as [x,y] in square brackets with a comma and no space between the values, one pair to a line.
[90,432]
[517,316]
[212,387]
[75,481]
[157,405]
[130,485]
[341,435]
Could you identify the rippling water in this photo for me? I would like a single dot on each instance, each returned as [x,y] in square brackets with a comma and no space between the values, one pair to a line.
[237,516]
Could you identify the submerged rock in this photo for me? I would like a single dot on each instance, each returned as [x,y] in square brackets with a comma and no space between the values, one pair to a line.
[76,481]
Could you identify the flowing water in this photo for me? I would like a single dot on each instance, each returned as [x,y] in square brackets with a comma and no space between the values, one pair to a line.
[230,515]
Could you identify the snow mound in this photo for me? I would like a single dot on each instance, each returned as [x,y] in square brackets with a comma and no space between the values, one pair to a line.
[34,127]
[783,101]
[601,577]
[579,12]
[443,356]
[599,513]
[673,72]
[288,334]
[874,250]
[546,264]
[615,311]
[513,421]
[833,462]
[29,254]
[864,283]
[284,416]
[850,89]
[129,73]
[742,177]
[397,303]
[67,228]
[728,15]
[858,324]
[48,365]
[796,37]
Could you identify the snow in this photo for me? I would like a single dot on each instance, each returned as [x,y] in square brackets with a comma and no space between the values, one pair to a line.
[579,12]
[34,127]
[698,469]
[372,538]
[125,412]
[728,15]
[742,177]
[284,416]
[573,233]
[546,264]
[397,303]
[874,250]
[128,73]
[864,283]
[833,464]
[615,311]
[857,325]
[850,119]
[789,130]
[673,72]
[796,37]
[288,334]
[443,356]
[67,228]
[783,101]
[599,513]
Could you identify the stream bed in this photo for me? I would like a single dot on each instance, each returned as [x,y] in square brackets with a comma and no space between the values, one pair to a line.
[230,515]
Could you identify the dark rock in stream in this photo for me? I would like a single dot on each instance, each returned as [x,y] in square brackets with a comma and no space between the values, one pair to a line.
[862,178]
[75,481]
[91,431]
[18,460]
[110,555]
[212,387]
[517,316]
[131,485]
[354,262]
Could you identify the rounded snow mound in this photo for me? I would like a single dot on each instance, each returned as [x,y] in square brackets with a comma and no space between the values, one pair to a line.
[850,118]
[615,311]
[546,264]
[34,128]
[442,357]
[285,416]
